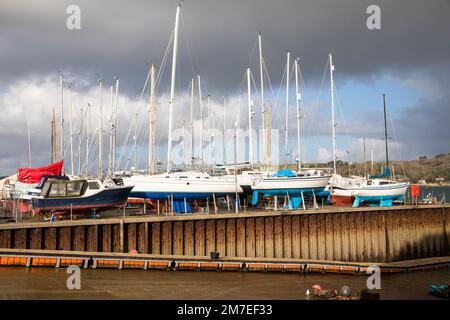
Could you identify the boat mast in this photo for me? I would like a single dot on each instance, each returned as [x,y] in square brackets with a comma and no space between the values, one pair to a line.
[371,159]
[297,101]
[111,130]
[287,108]
[191,126]
[172,88]
[87,137]
[115,124]
[100,130]
[183,145]
[152,121]
[135,140]
[238,124]
[71,132]
[213,138]
[385,131]
[201,119]
[61,79]
[208,105]
[250,117]
[263,107]
[333,121]
[55,145]
[224,130]
[80,137]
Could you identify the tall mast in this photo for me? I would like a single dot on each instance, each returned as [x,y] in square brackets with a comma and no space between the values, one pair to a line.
[201,119]
[71,132]
[111,130]
[135,139]
[213,138]
[55,145]
[208,105]
[371,159]
[385,131]
[224,152]
[172,88]
[238,124]
[62,117]
[29,141]
[115,124]
[191,127]
[152,121]
[287,108]
[297,102]
[100,130]
[80,137]
[250,117]
[263,108]
[183,145]
[87,138]
[333,121]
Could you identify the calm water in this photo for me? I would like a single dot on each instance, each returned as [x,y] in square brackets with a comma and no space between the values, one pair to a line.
[42,283]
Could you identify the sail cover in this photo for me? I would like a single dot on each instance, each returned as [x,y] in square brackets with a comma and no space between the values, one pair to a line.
[385,174]
[34,175]
[284,173]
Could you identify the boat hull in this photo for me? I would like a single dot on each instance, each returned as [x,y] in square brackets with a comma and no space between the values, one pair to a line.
[342,197]
[101,201]
[342,200]
[383,196]
[294,187]
[381,191]
[160,188]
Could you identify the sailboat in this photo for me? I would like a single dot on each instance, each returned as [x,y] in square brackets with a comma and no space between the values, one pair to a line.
[294,185]
[377,190]
[179,186]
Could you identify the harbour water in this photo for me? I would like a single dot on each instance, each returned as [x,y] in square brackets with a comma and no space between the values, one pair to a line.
[43,283]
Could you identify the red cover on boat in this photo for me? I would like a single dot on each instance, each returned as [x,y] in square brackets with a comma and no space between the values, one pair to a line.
[34,175]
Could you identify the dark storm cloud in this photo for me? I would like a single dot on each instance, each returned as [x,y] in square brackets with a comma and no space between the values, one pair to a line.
[121,38]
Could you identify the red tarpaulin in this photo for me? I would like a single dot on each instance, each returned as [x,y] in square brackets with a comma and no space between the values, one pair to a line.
[34,175]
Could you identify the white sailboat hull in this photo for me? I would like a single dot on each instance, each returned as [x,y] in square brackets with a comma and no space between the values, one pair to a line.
[392,190]
[291,183]
[180,187]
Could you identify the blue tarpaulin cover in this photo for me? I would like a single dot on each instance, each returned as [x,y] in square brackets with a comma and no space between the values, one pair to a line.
[284,173]
[385,174]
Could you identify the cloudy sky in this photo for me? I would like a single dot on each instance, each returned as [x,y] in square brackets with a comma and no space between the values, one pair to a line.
[408,59]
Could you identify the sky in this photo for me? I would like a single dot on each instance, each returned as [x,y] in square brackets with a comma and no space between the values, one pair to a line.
[408,59]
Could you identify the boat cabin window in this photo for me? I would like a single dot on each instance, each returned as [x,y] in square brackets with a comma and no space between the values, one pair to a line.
[57,190]
[384,183]
[65,189]
[369,183]
[74,188]
[93,185]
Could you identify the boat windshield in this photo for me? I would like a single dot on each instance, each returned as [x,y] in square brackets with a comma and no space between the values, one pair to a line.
[58,189]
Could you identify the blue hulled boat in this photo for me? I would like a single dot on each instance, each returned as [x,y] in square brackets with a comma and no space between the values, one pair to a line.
[59,195]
